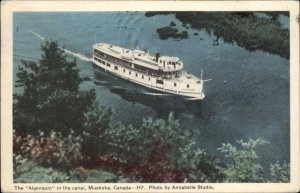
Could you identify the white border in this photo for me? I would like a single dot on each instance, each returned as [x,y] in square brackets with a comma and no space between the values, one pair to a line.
[8,7]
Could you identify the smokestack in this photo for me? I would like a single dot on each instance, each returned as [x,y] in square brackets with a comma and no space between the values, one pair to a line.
[157,56]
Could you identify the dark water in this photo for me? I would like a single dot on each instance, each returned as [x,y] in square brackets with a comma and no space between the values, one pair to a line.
[248,96]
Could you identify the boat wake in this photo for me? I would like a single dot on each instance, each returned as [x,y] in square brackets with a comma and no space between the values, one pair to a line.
[77,55]
[37,35]
[100,82]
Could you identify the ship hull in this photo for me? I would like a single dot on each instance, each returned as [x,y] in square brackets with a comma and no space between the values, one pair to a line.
[117,83]
[146,81]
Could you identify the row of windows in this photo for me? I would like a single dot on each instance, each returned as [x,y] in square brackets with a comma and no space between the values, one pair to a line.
[160,61]
[128,64]
[136,75]
[102,62]
[129,72]
[116,67]
[112,59]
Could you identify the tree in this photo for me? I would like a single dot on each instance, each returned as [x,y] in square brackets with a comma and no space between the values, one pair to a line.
[49,97]
[94,131]
[162,151]
[280,172]
[244,165]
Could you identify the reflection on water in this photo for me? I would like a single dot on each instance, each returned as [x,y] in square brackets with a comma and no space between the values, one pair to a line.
[162,103]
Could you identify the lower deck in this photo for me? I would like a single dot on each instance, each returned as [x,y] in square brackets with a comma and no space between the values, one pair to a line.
[173,86]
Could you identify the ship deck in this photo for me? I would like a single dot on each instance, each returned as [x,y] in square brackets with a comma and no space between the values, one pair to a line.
[139,57]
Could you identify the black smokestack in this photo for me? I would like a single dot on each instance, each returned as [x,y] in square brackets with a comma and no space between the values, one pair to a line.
[157,56]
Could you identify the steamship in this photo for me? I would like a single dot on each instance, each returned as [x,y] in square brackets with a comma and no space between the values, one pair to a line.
[161,73]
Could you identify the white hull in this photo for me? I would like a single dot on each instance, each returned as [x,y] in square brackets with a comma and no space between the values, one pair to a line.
[185,85]
[166,87]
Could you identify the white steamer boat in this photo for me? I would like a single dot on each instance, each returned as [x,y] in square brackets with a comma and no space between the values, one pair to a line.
[161,73]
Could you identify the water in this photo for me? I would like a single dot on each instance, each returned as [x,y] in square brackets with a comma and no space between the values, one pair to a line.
[248,96]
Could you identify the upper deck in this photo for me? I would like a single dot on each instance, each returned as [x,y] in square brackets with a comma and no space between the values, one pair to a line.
[142,58]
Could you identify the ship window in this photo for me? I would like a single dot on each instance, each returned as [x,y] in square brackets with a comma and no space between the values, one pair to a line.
[159,81]
[142,76]
[116,67]
[108,64]
[188,86]
[136,75]
[123,70]
[160,61]
[149,78]
[129,72]
[173,63]
[174,83]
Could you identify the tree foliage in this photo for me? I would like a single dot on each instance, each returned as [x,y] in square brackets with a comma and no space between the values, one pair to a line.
[244,165]
[28,171]
[244,28]
[280,172]
[53,151]
[49,97]
[163,151]
[95,130]
[49,101]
